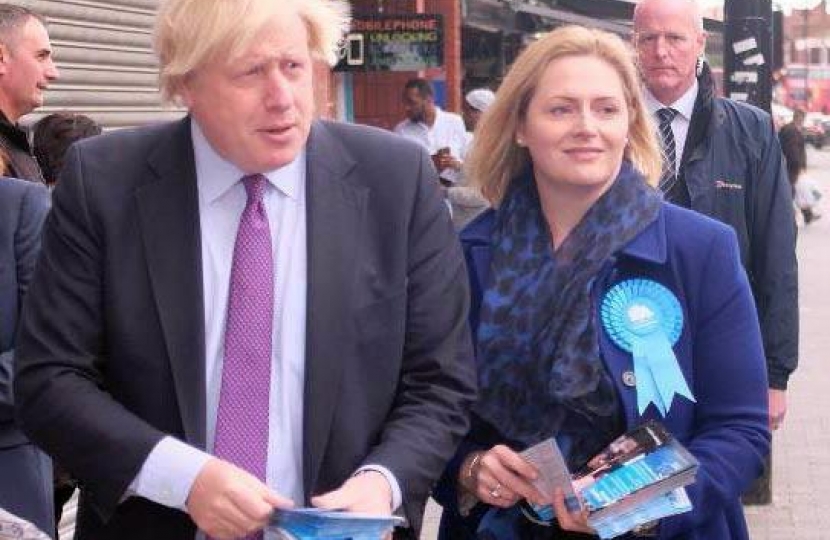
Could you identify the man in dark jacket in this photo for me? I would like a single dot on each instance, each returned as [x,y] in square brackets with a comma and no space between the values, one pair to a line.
[793,146]
[26,69]
[723,159]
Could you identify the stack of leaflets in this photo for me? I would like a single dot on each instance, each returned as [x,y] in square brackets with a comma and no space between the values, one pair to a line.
[314,523]
[638,478]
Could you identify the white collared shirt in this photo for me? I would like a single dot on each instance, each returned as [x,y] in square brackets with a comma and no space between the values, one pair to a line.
[684,106]
[447,131]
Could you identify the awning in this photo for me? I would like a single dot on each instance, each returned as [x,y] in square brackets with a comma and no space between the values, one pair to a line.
[569,17]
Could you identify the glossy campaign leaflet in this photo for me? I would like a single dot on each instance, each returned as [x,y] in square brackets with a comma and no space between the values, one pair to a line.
[314,523]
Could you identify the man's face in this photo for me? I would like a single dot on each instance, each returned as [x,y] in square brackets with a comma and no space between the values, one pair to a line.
[471,116]
[26,69]
[415,105]
[256,110]
[668,41]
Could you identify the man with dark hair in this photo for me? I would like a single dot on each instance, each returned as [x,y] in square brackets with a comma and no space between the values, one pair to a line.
[52,136]
[26,69]
[441,133]
[794,146]
[722,158]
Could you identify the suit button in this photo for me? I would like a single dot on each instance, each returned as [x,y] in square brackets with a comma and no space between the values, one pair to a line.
[629,379]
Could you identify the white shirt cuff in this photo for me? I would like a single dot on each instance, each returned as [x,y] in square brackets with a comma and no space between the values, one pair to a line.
[397,498]
[168,473]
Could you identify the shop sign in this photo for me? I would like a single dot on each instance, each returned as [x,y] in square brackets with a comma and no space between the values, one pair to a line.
[393,43]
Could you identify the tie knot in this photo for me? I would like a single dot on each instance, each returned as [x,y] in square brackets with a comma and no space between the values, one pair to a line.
[254,187]
[666,115]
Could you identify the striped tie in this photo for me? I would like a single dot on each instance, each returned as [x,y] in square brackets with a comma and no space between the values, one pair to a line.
[669,175]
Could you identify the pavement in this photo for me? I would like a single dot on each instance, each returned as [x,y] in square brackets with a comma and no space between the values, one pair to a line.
[800,464]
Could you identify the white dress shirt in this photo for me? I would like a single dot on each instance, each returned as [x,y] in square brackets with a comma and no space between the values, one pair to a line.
[447,131]
[170,469]
[684,106]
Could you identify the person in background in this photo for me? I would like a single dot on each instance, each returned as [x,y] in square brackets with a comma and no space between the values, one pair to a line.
[722,159]
[475,103]
[441,133]
[26,70]
[25,471]
[794,148]
[245,309]
[579,257]
[466,201]
[52,136]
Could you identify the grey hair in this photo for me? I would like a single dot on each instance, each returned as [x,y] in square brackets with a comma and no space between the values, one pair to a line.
[13,17]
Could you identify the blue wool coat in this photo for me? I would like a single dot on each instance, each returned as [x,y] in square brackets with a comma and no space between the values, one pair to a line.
[719,351]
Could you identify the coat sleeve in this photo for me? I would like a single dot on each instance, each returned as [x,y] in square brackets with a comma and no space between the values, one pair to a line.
[730,435]
[34,205]
[773,269]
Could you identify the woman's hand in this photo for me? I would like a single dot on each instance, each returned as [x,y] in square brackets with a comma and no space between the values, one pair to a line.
[500,477]
[576,521]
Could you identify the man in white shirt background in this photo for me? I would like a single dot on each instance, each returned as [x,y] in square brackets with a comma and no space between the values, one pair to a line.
[441,133]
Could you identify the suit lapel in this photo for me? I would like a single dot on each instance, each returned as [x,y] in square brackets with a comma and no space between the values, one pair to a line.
[335,209]
[169,223]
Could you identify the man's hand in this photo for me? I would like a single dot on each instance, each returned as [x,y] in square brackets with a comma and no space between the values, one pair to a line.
[367,492]
[449,162]
[227,502]
[777,407]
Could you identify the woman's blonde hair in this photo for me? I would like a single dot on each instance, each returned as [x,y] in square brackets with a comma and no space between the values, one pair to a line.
[190,33]
[496,159]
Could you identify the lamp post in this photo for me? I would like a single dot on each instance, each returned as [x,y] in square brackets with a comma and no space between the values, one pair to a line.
[747,55]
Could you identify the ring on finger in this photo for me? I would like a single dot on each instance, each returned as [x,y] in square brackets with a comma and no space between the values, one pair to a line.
[496,491]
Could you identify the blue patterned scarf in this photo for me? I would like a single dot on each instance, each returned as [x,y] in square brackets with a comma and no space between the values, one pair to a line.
[540,372]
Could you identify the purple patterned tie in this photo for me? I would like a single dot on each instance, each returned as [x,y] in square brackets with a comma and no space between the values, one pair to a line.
[242,416]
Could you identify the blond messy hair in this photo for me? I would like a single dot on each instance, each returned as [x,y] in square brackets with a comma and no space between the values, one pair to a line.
[190,33]
[496,158]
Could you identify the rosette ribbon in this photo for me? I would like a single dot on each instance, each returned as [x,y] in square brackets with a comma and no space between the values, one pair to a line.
[644,318]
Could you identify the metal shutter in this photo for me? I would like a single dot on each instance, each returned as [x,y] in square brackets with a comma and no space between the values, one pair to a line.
[103,50]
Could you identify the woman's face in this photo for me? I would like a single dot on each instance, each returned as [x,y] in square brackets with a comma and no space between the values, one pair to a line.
[576,125]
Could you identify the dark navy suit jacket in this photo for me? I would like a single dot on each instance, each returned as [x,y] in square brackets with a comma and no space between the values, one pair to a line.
[719,352]
[111,353]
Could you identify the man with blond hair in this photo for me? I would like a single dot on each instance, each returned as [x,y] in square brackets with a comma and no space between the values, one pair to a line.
[247,309]
[722,158]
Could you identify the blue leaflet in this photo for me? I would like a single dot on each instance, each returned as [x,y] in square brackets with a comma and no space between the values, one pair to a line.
[317,524]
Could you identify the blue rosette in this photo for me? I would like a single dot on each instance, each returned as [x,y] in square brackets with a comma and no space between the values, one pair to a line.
[645,318]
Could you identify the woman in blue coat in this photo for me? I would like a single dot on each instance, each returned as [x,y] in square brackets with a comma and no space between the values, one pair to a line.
[580,263]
